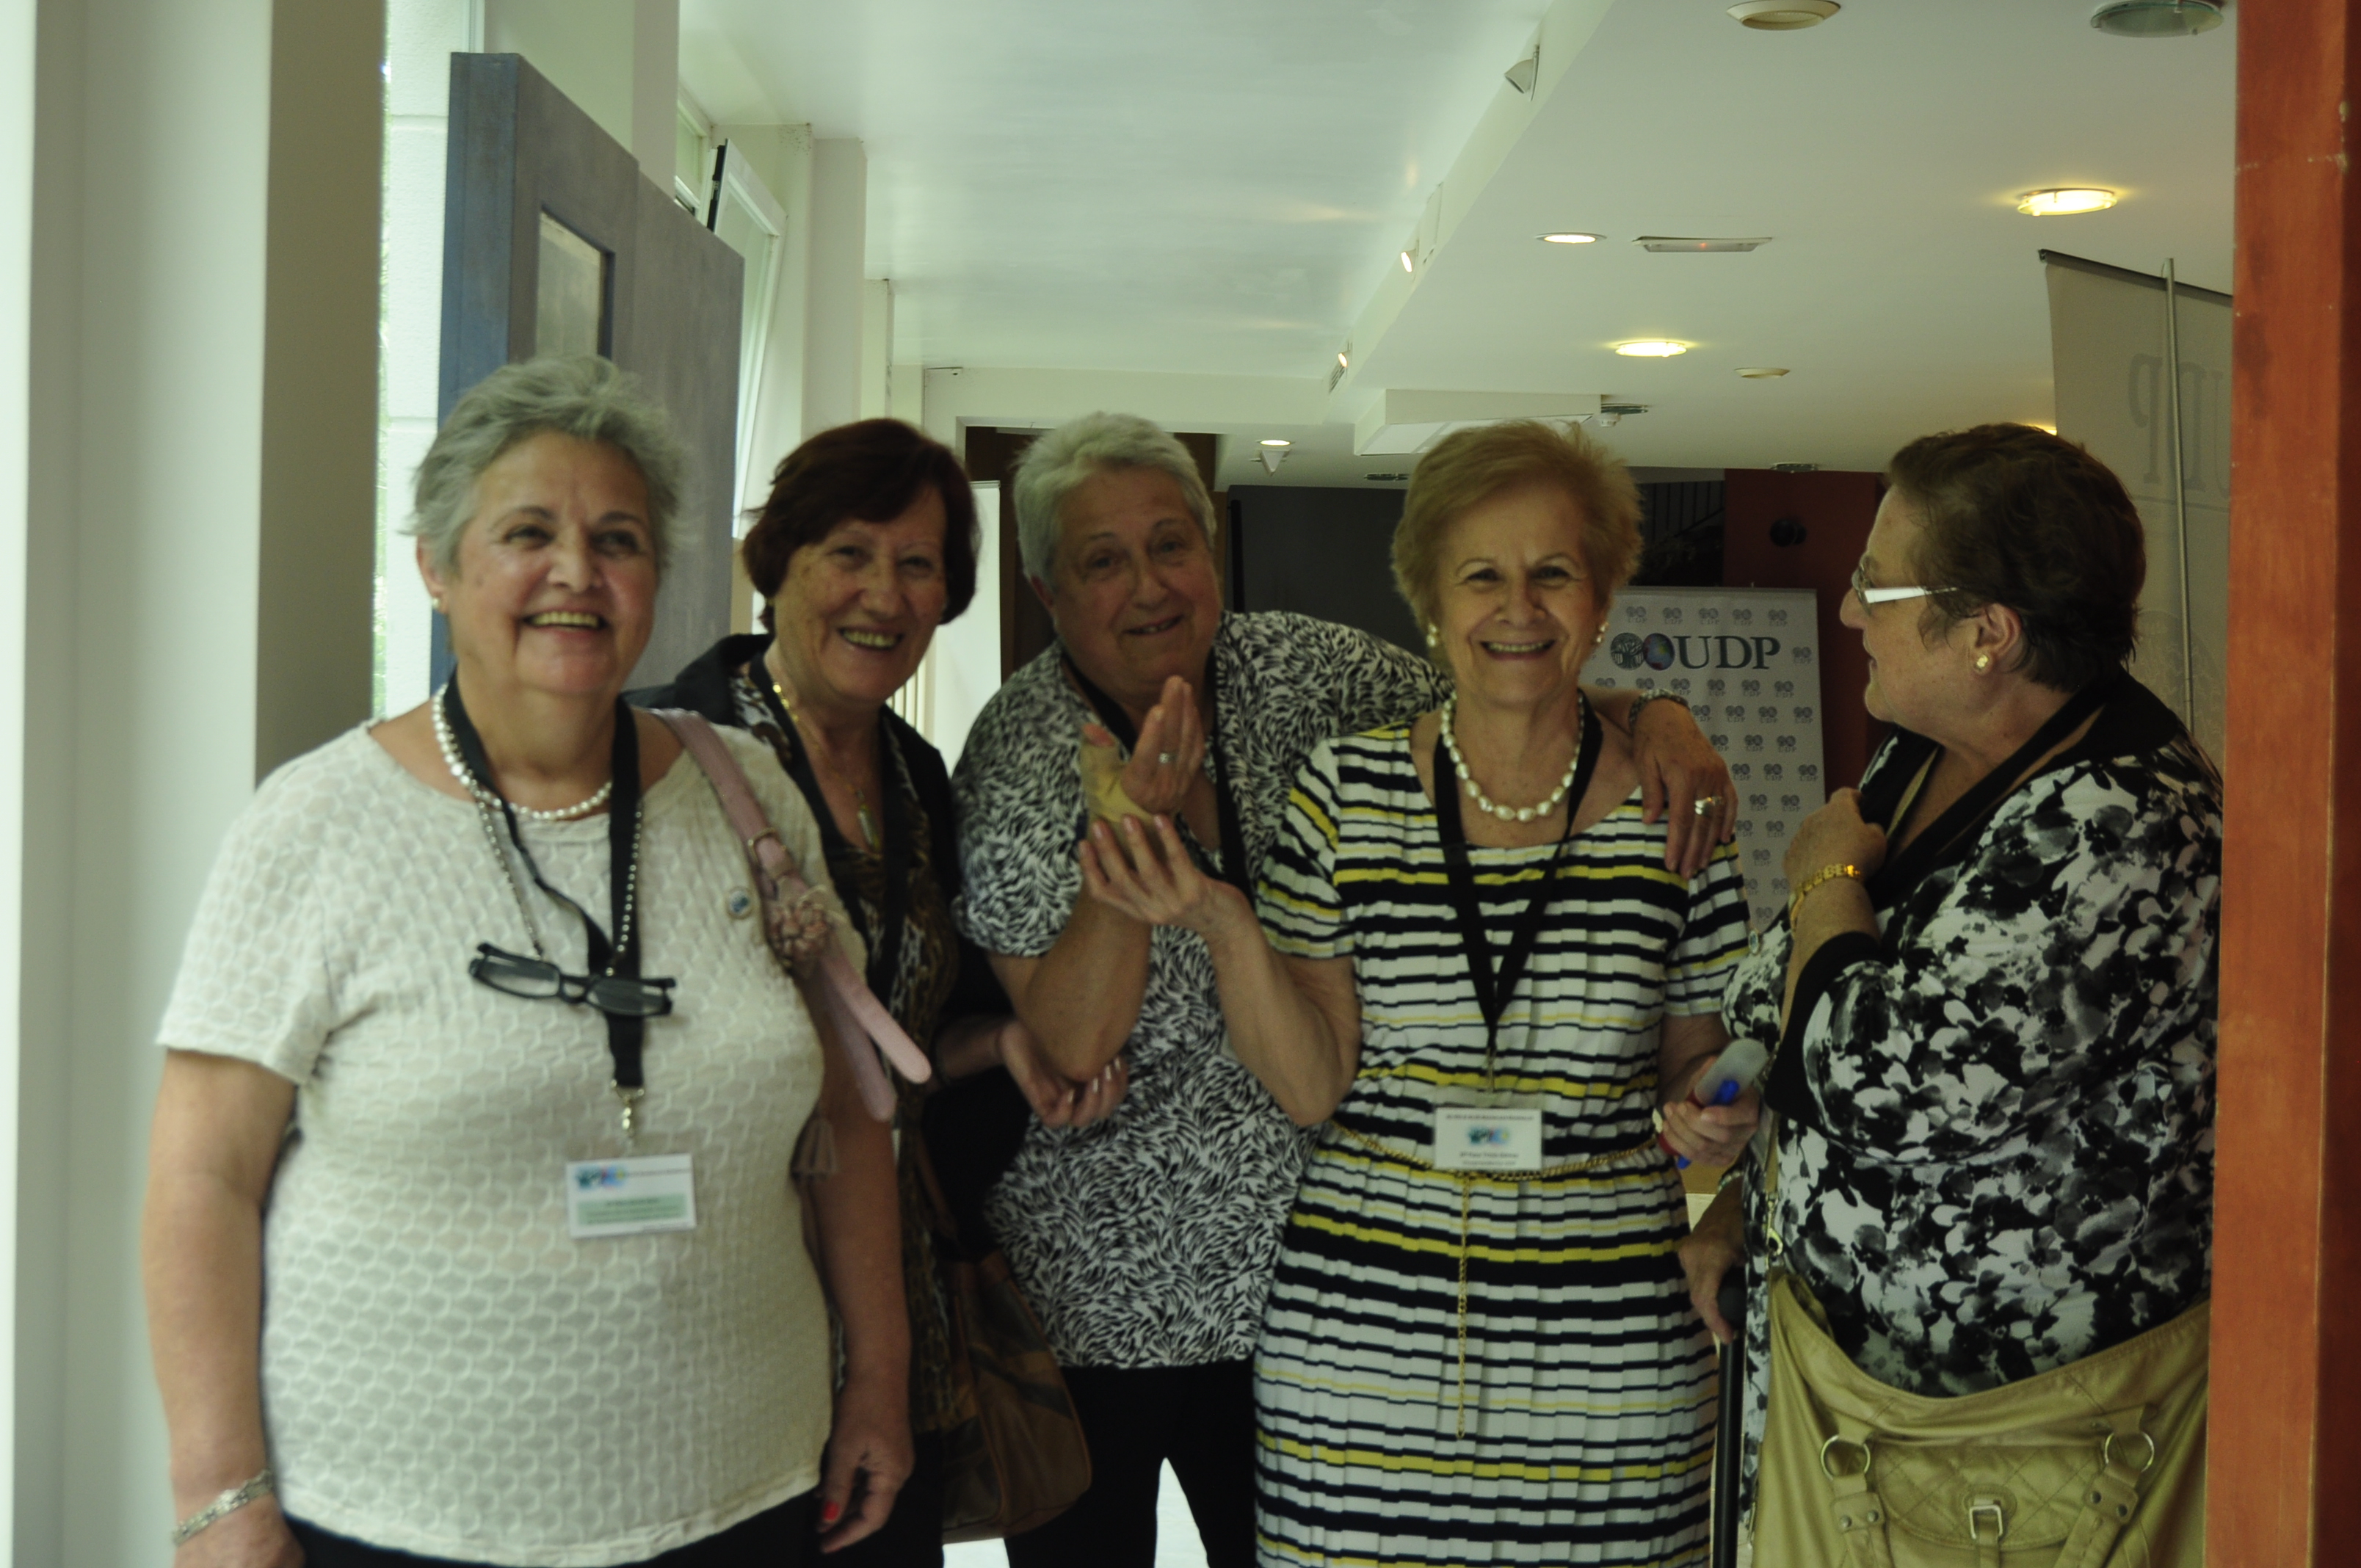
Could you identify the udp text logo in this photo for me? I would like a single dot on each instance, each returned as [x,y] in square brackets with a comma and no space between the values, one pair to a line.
[1693,651]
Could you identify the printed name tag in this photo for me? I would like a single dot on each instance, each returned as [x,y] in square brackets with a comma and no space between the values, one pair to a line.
[630,1197]
[1487,1137]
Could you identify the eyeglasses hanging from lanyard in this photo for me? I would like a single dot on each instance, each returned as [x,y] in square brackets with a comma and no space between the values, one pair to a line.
[615,988]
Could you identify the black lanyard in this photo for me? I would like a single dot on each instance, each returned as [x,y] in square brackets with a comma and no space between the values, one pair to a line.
[1233,868]
[625,1035]
[893,915]
[1494,989]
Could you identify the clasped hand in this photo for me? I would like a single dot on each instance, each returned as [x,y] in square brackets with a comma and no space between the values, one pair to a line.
[1171,749]
[1144,871]
[1835,835]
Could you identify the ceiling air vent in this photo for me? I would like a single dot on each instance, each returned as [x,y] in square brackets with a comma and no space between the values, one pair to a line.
[1671,245]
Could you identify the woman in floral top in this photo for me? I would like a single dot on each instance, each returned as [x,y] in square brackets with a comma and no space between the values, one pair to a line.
[1993,1004]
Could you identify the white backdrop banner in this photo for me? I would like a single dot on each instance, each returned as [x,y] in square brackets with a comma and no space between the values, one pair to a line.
[2109,354]
[1748,661]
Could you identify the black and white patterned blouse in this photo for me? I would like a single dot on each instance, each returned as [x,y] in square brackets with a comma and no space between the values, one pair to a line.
[1998,1155]
[1148,1239]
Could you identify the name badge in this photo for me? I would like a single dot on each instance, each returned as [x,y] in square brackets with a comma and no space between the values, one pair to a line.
[1487,1137]
[633,1197]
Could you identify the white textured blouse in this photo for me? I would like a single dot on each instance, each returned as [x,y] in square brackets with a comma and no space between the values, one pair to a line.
[444,1370]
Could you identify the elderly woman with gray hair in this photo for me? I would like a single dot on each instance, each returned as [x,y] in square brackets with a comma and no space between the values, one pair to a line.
[443,1264]
[1147,1243]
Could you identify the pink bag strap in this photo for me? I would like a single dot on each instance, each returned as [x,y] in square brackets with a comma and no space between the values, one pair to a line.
[861,1021]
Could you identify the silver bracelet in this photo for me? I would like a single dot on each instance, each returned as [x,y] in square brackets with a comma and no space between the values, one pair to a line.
[1639,705]
[221,1507]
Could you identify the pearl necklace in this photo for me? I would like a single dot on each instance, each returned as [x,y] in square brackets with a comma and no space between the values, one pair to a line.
[1484,802]
[484,797]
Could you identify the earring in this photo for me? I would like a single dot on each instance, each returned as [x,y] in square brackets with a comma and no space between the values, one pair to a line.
[438,608]
[1599,637]
[1983,663]
[1433,634]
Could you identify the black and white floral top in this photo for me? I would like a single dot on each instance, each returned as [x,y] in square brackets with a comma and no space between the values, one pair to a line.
[1997,1151]
[1149,1240]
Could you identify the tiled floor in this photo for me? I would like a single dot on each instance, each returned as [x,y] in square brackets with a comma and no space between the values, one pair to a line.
[1176,1537]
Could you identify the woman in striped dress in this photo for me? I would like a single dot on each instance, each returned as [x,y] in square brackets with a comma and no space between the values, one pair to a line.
[1478,1348]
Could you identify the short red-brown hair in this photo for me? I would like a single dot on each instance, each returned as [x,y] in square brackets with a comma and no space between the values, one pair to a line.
[872,470]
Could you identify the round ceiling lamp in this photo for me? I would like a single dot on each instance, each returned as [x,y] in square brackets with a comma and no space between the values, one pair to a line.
[2060,203]
[2157,18]
[1651,348]
[1274,441]
[1567,237]
[1763,372]
[1783,15]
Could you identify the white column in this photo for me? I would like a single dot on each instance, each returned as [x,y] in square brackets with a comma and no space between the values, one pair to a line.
[420,38]
[876,347]
[138,682]
[18,97]
[832,329]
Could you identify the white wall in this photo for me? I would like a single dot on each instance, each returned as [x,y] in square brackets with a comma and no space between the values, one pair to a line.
[138,676]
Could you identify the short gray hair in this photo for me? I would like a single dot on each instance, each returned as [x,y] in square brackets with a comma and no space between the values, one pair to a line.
[1057,464]
[584,397]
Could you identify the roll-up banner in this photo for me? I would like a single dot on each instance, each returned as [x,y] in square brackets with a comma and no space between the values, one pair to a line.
[1748,661]
[2114,355]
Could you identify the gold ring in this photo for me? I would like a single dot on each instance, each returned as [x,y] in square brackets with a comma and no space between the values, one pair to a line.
[1166,758]
[1706,805]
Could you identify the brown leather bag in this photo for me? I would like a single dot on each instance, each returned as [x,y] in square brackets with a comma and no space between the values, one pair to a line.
[1014,1455]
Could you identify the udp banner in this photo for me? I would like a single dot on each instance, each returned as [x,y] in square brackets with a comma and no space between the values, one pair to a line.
[1748,663]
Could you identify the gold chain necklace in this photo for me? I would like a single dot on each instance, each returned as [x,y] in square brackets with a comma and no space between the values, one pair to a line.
[859,797]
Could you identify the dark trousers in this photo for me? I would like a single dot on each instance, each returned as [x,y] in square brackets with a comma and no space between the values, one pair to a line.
[1199,1418]
[784,1537]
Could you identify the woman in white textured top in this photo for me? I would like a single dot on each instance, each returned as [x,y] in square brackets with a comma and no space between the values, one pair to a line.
[469,1236]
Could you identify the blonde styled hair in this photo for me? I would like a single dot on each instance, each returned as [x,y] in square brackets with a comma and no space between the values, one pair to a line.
[1469,468]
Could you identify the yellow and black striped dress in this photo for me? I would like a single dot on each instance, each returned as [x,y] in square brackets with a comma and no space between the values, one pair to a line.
[1565,1415]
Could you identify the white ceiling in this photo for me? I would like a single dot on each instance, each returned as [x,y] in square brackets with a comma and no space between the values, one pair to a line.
[1205,185]
[1220,187]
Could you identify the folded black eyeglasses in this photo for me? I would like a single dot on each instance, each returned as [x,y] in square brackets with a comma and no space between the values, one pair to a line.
[538,979]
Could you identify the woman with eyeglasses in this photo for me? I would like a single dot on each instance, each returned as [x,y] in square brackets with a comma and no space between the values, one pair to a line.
[469,1236]
[1991,1006]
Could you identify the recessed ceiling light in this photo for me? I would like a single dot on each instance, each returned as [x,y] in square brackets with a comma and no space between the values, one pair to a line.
[1569,237]
[1651,348]
[1343,363]
[1783,15]
[2157,18]
[1406,263]
[1274,441]
[2071,199]
[1761,372]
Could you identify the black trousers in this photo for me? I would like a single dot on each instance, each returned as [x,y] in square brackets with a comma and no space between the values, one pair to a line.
[784,1537]
[1199,1418]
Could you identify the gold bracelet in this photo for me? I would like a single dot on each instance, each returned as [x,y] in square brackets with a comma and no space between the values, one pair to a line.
[1817,881]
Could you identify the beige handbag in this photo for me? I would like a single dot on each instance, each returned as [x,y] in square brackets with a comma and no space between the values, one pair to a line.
[2099,1464]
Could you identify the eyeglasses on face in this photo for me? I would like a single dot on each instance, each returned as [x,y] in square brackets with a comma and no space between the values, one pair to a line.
[1869,596]
[538,979]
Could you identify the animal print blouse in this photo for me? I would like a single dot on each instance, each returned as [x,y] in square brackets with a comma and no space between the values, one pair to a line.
[1997,1151]
[1149,1240]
